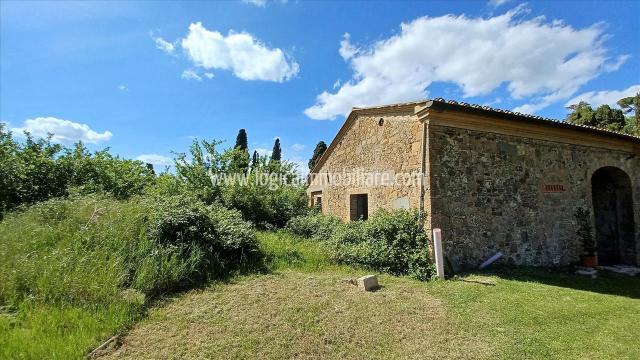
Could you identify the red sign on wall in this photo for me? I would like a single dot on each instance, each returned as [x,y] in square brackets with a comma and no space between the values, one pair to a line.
[553,188]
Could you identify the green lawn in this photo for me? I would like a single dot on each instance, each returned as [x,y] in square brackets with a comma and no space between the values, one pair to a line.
[305,309]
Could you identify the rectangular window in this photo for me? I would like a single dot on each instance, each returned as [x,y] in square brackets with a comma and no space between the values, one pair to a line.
[316,199]
[359,207]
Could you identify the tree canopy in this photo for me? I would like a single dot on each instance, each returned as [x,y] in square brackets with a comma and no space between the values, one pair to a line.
[606,117]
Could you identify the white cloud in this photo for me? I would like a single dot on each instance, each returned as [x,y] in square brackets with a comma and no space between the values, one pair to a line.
[297,147]
[496,3]
[190,75]
[337,84]
[155,159]
[347,51]
[65,131]
[609,97]
[263,3]
[123,88]
[241,53]
[611,67]
[542,61]
[164,45]
[209,75]
[258,3]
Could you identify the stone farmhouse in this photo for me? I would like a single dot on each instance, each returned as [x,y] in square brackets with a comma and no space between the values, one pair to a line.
[492,180]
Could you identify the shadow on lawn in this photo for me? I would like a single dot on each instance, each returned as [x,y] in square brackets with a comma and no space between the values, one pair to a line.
[605,283]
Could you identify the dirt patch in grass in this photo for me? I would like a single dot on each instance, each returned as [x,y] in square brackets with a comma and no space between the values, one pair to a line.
[303,315]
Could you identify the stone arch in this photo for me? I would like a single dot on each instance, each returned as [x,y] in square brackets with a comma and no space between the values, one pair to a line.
[612,197]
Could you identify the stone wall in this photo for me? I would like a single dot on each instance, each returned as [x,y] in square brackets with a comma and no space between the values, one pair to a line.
[366,146]
[490,192]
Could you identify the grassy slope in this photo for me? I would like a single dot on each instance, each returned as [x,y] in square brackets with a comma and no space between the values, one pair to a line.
[305,309]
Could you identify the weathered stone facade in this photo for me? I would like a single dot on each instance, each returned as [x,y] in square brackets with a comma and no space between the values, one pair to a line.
[367,146]
[488,195]
[493,182]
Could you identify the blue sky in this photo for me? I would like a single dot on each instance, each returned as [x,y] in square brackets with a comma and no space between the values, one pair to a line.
[144,78]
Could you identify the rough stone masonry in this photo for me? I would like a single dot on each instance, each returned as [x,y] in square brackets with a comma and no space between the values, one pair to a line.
[493,181]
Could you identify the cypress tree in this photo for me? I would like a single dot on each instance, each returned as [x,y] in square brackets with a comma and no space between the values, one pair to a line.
[254,159]
[276,154]
[321,147]
[241,160]
[241,140]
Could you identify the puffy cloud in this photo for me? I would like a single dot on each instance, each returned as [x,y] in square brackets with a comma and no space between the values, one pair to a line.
[190,75]
[65,131]
[155,159]
[209,75]
[241,53]
[542,61]
[609,97]
[347,51]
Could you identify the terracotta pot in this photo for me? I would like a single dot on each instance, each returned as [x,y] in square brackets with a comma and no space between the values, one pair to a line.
[589,261]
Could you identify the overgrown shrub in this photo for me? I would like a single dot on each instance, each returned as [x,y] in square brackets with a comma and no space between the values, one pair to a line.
[392,242]
[75,271]
[314,225]
[84,252]
[36,170]
[266,193]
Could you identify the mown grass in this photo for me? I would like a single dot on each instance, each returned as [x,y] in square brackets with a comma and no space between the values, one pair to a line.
[304,308]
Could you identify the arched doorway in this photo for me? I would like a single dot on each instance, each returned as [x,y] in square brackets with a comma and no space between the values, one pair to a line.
[613,209]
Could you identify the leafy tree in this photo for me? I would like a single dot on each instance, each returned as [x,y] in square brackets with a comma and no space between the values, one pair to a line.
[609,118]
[581,114]
[628,105]
[631,103]
[266,196]
[35,170]
[321,147]
[196,171]
[603,117]
[276,153]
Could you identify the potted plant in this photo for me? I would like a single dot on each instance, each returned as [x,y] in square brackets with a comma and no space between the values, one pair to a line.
[589,257]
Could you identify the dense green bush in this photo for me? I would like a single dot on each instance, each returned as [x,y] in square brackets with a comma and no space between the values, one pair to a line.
[267,193]
[391,242]
[86,251]
[314,225]
[37,169]
[75,271]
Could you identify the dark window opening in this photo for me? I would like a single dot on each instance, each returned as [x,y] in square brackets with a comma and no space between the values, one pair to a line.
[359,207]
[614,216]
[316,199]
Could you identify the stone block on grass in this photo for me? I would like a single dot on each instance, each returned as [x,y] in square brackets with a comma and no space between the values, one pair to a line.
[368,283]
